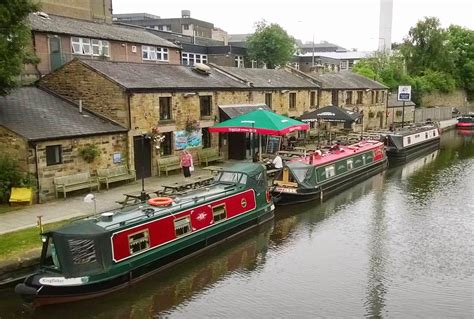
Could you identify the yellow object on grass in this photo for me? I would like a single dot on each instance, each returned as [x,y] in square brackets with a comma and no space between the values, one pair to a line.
[21,195]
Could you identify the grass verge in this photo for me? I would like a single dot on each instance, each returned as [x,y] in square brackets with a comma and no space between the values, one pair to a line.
[18,242]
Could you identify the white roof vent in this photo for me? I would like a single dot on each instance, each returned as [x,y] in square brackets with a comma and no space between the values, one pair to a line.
[202,68]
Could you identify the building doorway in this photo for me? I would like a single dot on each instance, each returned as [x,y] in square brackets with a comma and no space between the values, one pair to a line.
[142,156]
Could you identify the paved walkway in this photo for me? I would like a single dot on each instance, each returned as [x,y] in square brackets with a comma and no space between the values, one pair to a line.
[74,206]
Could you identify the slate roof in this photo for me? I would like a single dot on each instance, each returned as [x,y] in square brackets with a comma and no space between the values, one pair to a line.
[82,28]
[271,78]
[394,102]
[234,110]
[346,80]
[161,76]
[38,115]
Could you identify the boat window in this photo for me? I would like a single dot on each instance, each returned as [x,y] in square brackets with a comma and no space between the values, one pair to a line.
[232,177]
[409,140]
[330,171]
[261,181]
[139,241]
[300,173]
[426,135]
[82,251]
[219,213]
[350,164]
[182,226]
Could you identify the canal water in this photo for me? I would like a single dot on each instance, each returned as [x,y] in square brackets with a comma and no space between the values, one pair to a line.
[398,245]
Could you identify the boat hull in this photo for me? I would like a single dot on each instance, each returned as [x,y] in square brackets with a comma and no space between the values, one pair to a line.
[327,189]
[396,156]
[38,295]
[466,126]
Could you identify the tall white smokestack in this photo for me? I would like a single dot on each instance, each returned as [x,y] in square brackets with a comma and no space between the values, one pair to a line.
[385,25]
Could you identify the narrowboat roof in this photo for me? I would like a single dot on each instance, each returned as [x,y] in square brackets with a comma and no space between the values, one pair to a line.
[82,227]
[411,130]
[342,152]
[119,218]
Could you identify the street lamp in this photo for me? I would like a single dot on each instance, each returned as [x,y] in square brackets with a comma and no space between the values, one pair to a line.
[143,195]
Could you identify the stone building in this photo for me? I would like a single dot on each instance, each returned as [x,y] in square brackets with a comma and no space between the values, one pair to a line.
[169,99]
[357,93]
[285,91]
[57,40]
[396,113]
[45,134]
[92,10]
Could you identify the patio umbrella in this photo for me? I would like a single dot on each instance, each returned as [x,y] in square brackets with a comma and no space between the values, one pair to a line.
[330,114]
[261,122]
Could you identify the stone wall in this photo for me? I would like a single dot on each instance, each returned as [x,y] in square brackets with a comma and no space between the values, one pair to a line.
[395,115]
[374,113]
[14,146]
[76,81]
[72,162]
[93,10]
[456,99]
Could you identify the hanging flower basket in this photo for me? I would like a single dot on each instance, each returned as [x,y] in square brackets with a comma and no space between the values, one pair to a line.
[191,126]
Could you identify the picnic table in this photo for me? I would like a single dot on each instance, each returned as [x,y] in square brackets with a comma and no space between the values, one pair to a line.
[213,169]
[135,197]
[195,182]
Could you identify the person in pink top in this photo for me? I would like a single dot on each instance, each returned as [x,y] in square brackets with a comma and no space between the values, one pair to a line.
[186,163]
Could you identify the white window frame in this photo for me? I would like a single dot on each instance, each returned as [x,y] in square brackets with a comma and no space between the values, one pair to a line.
[344,65]
[188,58]
[102,47]
[81,46]
[151,53]
[239,61]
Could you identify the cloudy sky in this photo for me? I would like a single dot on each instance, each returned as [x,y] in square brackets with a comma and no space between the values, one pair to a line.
[351,24]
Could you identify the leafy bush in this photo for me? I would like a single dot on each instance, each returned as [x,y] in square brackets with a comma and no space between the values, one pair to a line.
[11,176]
[89,153]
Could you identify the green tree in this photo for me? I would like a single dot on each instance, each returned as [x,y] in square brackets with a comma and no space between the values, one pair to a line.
[271,45]
[461,46]
[425,48]
[14,39]
[390,70]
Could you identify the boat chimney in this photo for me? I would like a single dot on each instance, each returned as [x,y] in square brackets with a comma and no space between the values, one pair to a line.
[80,106]
[107,217]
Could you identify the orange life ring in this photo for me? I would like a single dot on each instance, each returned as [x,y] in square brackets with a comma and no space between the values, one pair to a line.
[160,201]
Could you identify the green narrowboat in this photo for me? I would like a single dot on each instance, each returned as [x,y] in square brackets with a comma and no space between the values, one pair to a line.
[101,254]
[321,173]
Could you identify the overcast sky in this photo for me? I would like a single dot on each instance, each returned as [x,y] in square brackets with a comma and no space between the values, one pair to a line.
[350,24]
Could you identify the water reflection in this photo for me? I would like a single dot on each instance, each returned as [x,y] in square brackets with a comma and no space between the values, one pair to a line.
[398,244]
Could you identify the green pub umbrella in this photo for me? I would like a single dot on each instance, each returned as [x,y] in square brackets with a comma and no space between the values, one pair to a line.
[261,122]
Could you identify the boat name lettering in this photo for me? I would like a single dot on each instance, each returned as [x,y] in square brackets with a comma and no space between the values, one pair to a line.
[61,281]
[285,190]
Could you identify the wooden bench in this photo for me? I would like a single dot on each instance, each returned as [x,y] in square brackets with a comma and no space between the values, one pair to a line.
[74,182]
[115,174]
[207,155]
[167,164]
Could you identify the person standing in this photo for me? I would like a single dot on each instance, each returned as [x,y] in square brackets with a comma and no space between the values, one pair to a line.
[186,163]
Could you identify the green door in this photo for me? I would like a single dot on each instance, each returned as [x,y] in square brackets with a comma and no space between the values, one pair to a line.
[55,52]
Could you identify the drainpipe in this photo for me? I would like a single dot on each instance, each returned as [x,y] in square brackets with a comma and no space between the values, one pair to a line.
[38,185]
